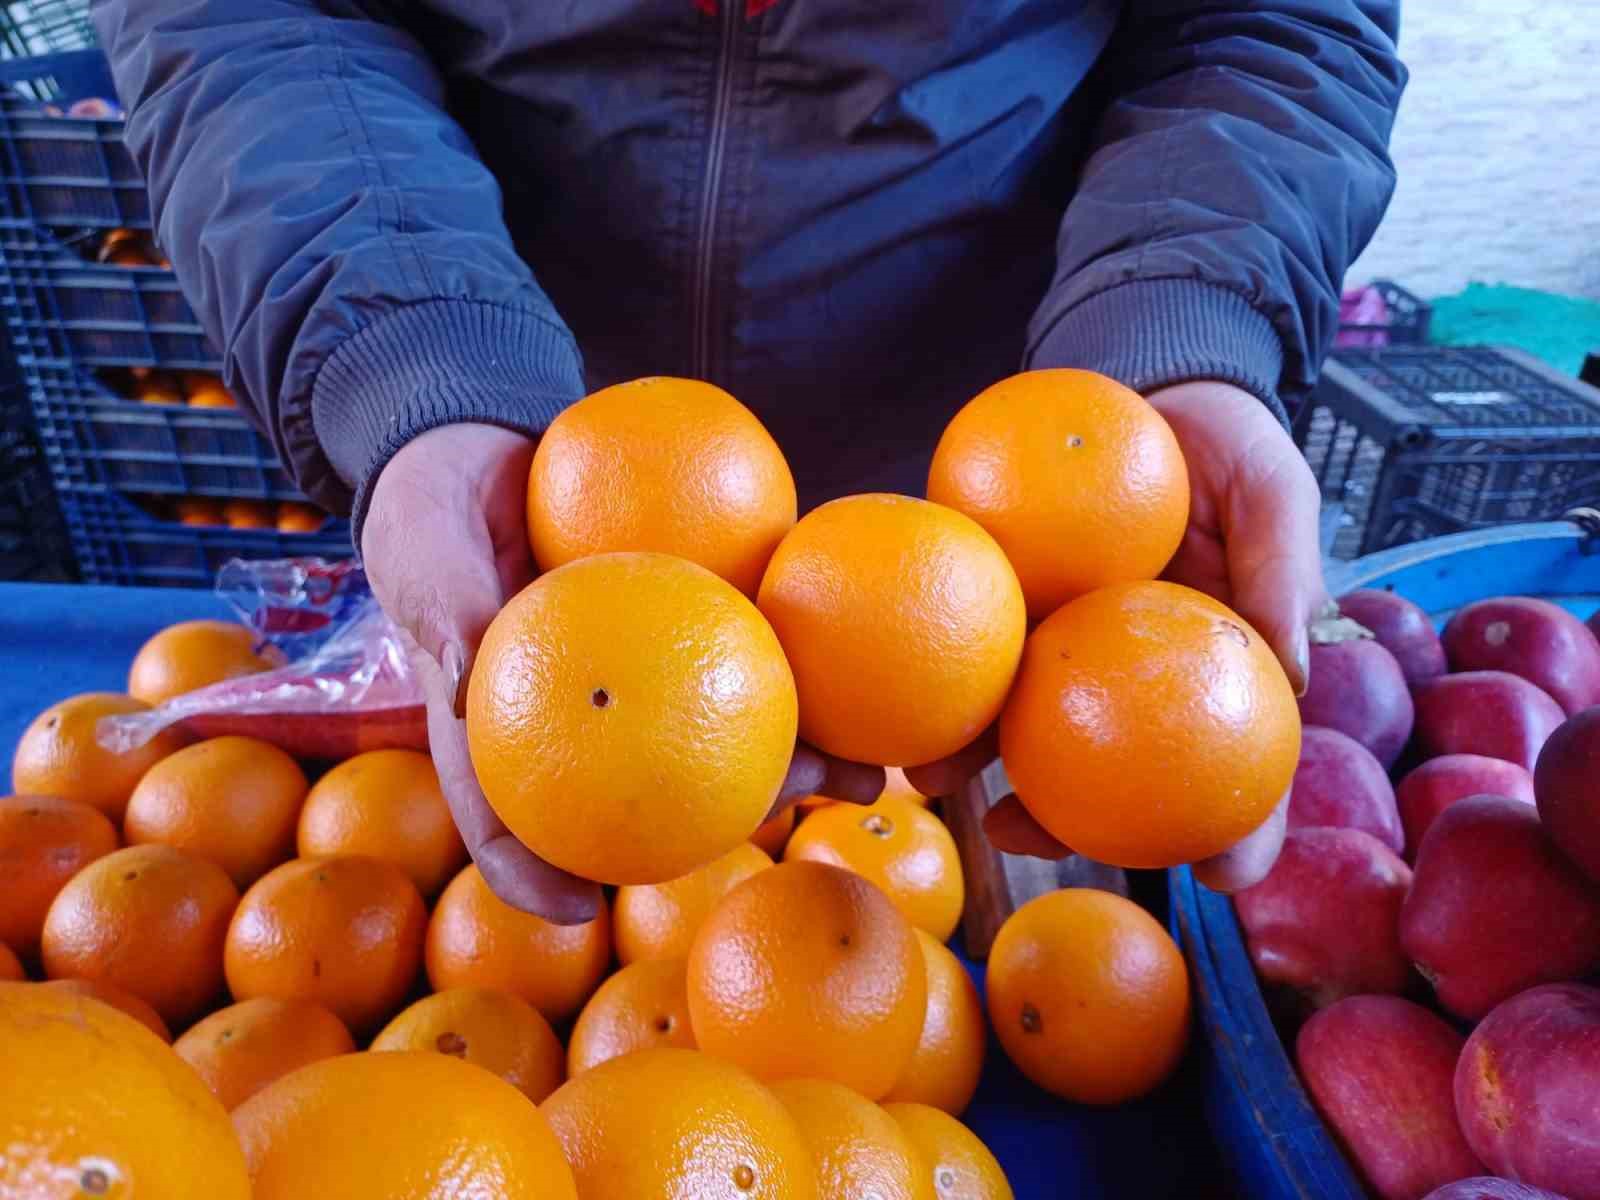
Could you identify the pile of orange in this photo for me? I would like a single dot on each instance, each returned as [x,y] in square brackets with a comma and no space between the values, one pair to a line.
[765,1006]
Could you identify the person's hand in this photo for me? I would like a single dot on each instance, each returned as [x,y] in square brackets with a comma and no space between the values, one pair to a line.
[1251,543]
[445,546]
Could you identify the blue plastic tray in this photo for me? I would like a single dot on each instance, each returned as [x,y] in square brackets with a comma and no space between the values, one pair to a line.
[1270,1137]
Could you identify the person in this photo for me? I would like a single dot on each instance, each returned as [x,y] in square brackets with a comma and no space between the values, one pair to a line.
[402,222]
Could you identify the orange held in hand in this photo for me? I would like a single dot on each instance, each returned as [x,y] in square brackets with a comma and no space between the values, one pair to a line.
[191,655]
[240,1049]
[1149,726]
[1089,996]
[94,1104]
[150,919]
[1077,477]
[659,920]
[344,931]
[630,717]
[58,754]
[642,1007]
[856,1147]
[476,939]
[903,623]
[385,803]
[233,801]
[945,1067]
[418,1125]
[808,971]
[494,1030]
[44,841]
[672,466]
[678,1123]
[899,846]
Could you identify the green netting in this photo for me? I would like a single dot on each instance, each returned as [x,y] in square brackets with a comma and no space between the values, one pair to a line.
[1558,329]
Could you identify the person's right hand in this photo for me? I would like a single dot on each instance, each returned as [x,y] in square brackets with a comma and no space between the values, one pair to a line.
[445,545]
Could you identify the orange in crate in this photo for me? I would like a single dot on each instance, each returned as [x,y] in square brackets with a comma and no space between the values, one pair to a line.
[240,1049]
[119,998]
[59,755]
[960,1164]
[945,1067]
[44,841]
[294,517]
[248,514]
[158,387]
[659,920]
[856,1147]
[494,1030]
[644,1006]
[192,655]
[199,511]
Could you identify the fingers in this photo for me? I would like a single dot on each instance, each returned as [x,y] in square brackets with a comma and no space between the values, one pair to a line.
[813,773]
[949,775]
[1273,553]
[1248,862]
[511,870]
[1011,829]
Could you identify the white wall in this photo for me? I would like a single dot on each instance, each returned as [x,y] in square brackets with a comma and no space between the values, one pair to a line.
[1498,149]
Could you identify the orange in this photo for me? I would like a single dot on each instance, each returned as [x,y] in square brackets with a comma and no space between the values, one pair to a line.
[212,397]
[385,803]
[44,841]
[855,1146]
[343,931]
[1149,726]
[948,1060]
[902,848]
[809,971]
[493,1030]
[475,939]
[94,1104]
[659,920]
[1078,478]
[240,1049]
[116,997]
[192,655]
[772,835]
[678,1123]
[897,785]
[247,514]
[903,623]
[10,965]
[630,717]
[150,919]
[199,510]
[407,1126]
[294,517]
[961,1166]
[58,754]
[1089,996]
[158,387]
[231,800]
[673,466]
[642,1007]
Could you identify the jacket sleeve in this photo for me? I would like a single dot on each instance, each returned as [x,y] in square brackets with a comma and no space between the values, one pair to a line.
[334,228]
[1239,167]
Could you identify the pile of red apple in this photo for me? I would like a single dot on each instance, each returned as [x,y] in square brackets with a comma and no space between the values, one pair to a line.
[1444,930]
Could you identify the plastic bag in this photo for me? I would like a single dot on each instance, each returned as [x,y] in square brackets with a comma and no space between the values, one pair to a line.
[348,688]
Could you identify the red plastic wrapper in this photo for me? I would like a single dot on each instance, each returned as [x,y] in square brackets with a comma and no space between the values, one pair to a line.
[349,687]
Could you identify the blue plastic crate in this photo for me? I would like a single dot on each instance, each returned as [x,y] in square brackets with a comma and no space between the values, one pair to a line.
[93,438]
[117,542]
[1274,1144]
[59,308]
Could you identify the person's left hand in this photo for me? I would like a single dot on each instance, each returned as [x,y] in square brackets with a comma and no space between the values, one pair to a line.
[1252,543]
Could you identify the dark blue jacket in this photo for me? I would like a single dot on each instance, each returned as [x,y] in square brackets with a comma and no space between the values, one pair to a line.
[853,214]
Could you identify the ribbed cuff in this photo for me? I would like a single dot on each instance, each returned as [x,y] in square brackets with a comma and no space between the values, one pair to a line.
[441,362]
[1153,333]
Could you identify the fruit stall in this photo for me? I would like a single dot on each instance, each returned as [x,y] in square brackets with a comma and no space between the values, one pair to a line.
[246,952]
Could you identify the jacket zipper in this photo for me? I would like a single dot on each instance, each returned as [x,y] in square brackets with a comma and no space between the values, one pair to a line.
[705,246]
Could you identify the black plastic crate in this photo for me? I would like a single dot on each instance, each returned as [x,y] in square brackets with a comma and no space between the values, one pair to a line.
[33,539]
[1410,443]
[93,438]
[1407,324]
[117,542]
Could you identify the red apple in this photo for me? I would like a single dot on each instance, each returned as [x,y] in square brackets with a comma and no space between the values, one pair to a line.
[1401,628]
[1528,1089]
[1356,687]
[1493,713]
[1339,784]
[1438,783]
[1326,920]
[1495,908]
[1540,641]
[1567,782]
[1381,1071]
